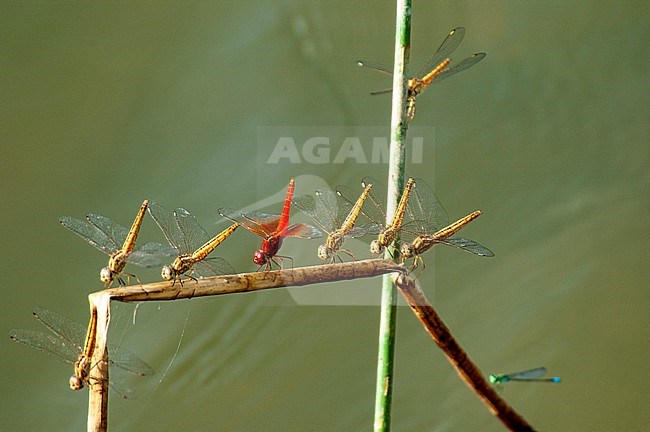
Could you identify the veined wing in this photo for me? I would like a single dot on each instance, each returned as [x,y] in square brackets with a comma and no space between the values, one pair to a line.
[262,224]
[194,236]
[70,332]
[459,67]
[301,230]
[372,214]
[469,246]
[449,45]
[307,205]
[213,266]
[113,231]
[165,220]
[378,67]
[48,343]
[125,359]
[90,233]
[425,210]
[528,374]
[148,255]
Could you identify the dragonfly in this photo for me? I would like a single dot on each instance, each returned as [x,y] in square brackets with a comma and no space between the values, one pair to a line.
[435,70]
[191,244]
[375,212]
[117,242]
[272,228]
[532,375]
[335,216]
[430,226]
[71,343]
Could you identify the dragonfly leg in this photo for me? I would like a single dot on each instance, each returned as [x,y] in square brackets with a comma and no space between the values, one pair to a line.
[349,253]
[282,258]
[130,275]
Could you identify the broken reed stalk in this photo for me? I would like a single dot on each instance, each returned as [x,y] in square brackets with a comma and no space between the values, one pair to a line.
[399,125]
[98,378]
[466,369]
[218,285]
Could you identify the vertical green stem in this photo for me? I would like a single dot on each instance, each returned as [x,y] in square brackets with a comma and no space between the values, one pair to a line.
[399,125]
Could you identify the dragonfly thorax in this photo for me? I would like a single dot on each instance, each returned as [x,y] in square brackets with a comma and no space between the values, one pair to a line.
[270,247]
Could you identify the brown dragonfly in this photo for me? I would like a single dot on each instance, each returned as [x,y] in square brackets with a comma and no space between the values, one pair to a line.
[335,216]
[438,68]
[117,242]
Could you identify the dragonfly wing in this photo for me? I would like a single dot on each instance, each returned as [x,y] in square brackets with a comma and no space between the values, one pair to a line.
[155,248]
[356,232]
[125,359]
[376,66]
[307,205]
[118,384]
[71,332]
[114,231]
[468,245]
[47,343]
[213,266]
[301,230]
[425,210]
[262,224]
[372,212]
[449,45]
[167,224]
[460,66]
[194,236]
[143,259]
[90,233]
[529,374]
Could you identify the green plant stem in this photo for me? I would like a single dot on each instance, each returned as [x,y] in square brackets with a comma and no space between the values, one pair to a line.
[399,124]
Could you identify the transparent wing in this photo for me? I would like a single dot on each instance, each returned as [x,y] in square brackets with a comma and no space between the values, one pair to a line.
[194,236]
[376,66]
[307,205]
[459,67]
[373,216]
[302,230]
[167,224]
[449,45]
[425,210]
[143,259]
[155,248]
[90,233]
[528,374]
[468,245]
[113,231]
[213,266]
[47,343]
[70,332]
[356,232]
[125,359]
[262,224]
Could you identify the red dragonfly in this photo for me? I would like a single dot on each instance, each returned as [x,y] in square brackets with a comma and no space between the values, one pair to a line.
[272,228]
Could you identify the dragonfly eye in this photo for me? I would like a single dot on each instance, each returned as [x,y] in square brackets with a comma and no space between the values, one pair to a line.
[76,383]
[407,250]
[259,257]
[324,252]
[106,275]
[167,272]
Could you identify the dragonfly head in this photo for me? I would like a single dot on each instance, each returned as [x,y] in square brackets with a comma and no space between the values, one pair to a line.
[406,250]
[106,275]
[260,258]
[167,273]
[376,248]
[324,252]
[76,383]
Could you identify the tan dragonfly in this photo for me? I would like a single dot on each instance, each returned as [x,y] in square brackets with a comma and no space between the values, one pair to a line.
[335,216]
[435,70]
[74,344]
[191,243]
[374,211]
[117,242]
[429,225]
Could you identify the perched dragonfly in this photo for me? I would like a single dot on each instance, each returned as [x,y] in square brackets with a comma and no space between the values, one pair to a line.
[375,212]
[191,243]
[532,375]
[430,225]
[335,216]
[73,344]
[435,70]
[272,228]
[117,242]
